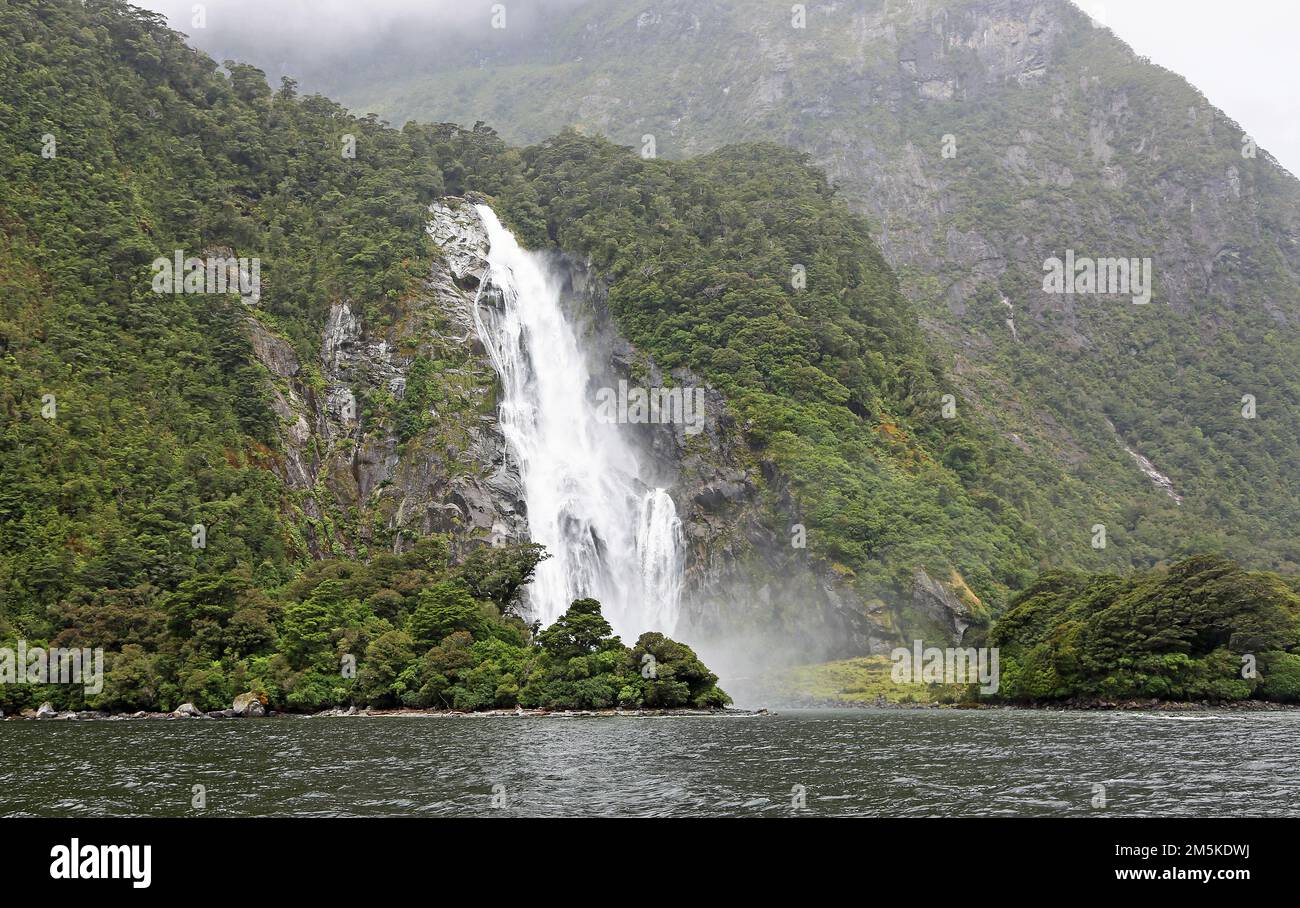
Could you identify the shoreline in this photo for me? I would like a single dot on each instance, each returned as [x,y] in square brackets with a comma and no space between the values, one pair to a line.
[1149,706]
[31,715]
[1146,706]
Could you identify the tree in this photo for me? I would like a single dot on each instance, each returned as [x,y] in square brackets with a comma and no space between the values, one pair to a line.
[309,624]
[378,677]
[443,609]
[498,573]
[580,631]
[672,675]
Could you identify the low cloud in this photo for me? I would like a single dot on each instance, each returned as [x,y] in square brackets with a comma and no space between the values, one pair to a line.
[345,26]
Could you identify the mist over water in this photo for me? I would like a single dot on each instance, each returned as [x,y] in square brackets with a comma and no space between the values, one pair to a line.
[610,536]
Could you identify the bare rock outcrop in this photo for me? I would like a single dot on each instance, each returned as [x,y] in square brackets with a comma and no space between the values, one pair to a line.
[392,434]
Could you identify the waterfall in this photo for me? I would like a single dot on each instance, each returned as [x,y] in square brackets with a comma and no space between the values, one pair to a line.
[610,536]
[659,547]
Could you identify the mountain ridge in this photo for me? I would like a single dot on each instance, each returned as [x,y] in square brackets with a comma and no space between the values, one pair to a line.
[348,415]
[1063,140]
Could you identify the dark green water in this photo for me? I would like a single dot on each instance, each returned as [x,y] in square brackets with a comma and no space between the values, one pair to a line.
[850,763]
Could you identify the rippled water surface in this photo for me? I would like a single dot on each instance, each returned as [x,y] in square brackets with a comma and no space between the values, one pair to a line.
[859,763]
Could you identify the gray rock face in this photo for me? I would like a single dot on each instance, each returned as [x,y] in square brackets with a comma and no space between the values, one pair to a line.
[276,354]
[456,228]
[344,454]
[941,606]
[188,710]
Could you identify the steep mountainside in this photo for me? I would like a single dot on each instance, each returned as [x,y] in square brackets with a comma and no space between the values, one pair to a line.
[982,138]
[174,461]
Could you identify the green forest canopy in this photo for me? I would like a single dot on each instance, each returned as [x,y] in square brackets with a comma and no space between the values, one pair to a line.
[161,417]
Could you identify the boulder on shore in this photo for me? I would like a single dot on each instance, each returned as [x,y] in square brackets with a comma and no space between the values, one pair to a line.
[46,711]
[248,705]
[188,710]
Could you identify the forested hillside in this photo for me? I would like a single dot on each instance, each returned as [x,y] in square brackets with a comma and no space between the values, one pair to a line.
[132,416]
[144,500]
[178,485]
[1203,629]
[981,137]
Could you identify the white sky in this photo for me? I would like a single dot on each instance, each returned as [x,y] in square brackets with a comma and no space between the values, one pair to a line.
[1242,55]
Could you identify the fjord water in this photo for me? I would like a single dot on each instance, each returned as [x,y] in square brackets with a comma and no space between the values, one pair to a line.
[850,763]
[611,537]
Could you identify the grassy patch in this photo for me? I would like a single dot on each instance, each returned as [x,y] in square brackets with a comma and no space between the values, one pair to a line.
[865,680]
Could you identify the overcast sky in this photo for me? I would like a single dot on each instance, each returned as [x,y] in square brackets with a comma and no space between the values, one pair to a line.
[1241,54]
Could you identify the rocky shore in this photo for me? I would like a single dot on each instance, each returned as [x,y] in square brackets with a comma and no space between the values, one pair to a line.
[1062,706]
[245,706]
[1162,706]
[535,713]
[249,706]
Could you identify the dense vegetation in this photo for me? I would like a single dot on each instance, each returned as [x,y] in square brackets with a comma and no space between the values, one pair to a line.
[1203,629]
[129,418]
[410,630]
[1063,138]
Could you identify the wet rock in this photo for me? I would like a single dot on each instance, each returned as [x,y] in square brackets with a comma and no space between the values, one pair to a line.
[46,711]
[455,226]
[248,706]
[938,603]
[188,710]
[715,496]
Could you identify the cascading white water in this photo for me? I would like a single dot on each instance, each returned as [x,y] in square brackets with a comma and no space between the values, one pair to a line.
[659,548]
[610,537]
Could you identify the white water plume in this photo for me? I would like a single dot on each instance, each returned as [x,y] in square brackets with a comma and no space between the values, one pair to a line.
[611,537]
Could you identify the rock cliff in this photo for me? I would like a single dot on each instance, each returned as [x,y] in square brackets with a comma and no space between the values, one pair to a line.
[751,588]
[981,138]
[391,434]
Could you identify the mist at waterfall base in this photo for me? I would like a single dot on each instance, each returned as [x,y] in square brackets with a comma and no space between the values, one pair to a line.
[611,534]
